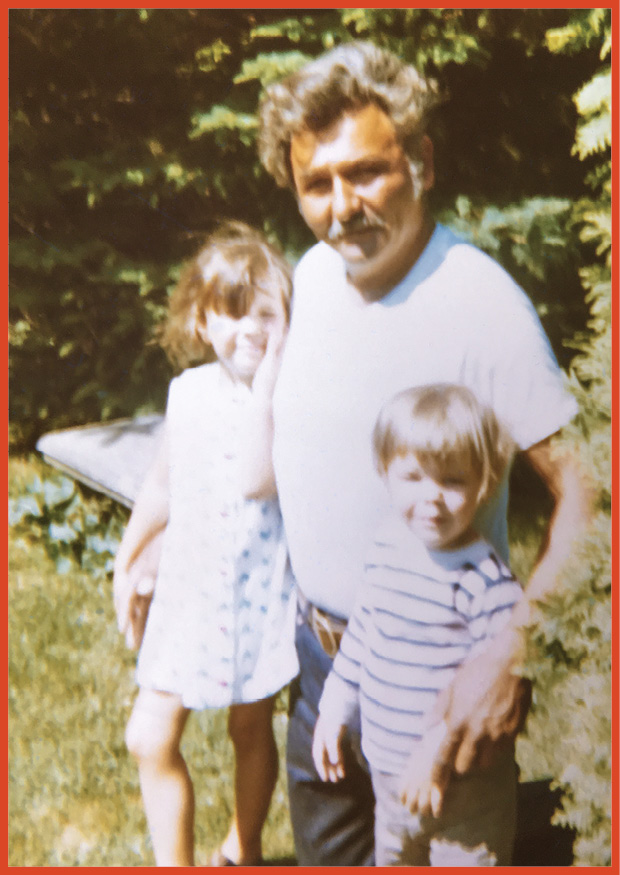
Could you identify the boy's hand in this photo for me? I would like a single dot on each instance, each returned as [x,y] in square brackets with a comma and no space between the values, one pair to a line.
[327,749]
[423,789]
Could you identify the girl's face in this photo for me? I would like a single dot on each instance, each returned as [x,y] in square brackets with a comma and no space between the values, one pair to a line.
[240,344]
[438,508]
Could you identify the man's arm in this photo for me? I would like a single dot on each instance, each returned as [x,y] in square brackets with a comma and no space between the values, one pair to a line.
[573,495]
[486,705]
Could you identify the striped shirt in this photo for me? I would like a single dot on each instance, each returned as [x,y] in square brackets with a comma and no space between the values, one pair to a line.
[420,613]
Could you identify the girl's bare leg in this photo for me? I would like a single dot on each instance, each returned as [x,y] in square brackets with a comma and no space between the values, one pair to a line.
[153,737]
[256,770]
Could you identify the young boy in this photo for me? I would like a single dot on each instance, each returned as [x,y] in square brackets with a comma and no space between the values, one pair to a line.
[433,592]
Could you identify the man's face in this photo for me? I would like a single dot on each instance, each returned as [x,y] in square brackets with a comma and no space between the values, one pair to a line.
[356,191]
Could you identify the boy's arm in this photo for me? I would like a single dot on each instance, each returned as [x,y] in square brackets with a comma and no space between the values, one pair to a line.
[257,478]
[339,703]
[338,710]
[327,745]
[149,516]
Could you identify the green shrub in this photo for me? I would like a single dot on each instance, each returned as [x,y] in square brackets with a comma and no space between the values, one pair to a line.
[571,642]
[76,528]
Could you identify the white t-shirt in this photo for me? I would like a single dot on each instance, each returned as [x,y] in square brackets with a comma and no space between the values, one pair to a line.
[456,317]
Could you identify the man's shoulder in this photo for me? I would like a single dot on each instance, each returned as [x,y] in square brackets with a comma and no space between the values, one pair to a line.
[475,279]
[465,256]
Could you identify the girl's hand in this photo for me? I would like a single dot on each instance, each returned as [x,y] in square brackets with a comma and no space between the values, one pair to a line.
[422,790]
[123,591]
[327,749]
[138,609]
[264,381]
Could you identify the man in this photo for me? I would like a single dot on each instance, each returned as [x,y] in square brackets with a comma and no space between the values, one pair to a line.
[385,301]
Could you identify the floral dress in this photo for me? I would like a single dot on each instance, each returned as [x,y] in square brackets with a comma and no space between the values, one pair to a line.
[221,625]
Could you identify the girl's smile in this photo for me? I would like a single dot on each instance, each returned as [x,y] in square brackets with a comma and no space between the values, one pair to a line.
[240,344]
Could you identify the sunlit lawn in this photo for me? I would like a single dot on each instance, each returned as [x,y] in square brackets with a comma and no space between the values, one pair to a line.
[74,796]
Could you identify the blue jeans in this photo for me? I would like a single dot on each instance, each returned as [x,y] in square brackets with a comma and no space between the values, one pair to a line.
[333,824]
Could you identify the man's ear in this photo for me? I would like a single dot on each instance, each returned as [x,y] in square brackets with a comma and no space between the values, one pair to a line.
[427,152]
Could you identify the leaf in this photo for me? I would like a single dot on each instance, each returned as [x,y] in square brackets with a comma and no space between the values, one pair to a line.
[62,532]
[269,67]
[56,492]
[595,94]
[593,136]
[210,57]
[221,117]
[24,506]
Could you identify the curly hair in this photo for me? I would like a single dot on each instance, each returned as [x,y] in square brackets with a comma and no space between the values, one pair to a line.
[347,77]
[233,264]
[445,426]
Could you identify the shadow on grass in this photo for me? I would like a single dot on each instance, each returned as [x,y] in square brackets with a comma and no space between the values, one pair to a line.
[539,842]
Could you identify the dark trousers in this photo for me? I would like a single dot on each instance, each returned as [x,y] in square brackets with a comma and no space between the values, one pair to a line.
[333,824]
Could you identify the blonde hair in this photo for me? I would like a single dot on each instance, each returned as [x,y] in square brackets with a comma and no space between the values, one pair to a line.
[445,427]
[234,263]
[348,77]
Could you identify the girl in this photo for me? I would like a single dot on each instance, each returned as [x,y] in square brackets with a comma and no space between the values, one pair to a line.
[220,628]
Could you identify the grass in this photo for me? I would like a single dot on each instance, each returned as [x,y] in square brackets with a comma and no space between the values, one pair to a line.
[74,798]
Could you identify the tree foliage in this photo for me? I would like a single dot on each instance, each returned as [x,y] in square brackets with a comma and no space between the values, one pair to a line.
[571,642]
[133,131]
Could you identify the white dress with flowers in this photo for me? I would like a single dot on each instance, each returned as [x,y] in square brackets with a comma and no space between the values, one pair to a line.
[221,625]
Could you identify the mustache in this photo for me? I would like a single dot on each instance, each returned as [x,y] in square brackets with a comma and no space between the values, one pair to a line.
[358,222]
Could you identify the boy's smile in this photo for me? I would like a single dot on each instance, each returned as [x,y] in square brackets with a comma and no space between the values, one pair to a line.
[439,508]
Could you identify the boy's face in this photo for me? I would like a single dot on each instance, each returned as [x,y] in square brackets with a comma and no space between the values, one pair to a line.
[438,508]
[240,344]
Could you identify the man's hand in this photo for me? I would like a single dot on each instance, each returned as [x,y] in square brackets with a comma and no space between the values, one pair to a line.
[420,791]
[327,750]
[484,709]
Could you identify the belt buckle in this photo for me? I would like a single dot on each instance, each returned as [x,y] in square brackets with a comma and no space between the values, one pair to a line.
[328,638]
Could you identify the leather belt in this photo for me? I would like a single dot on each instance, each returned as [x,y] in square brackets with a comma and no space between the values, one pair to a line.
[327,628]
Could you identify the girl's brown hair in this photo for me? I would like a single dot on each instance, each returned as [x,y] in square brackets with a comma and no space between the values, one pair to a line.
[234,263]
